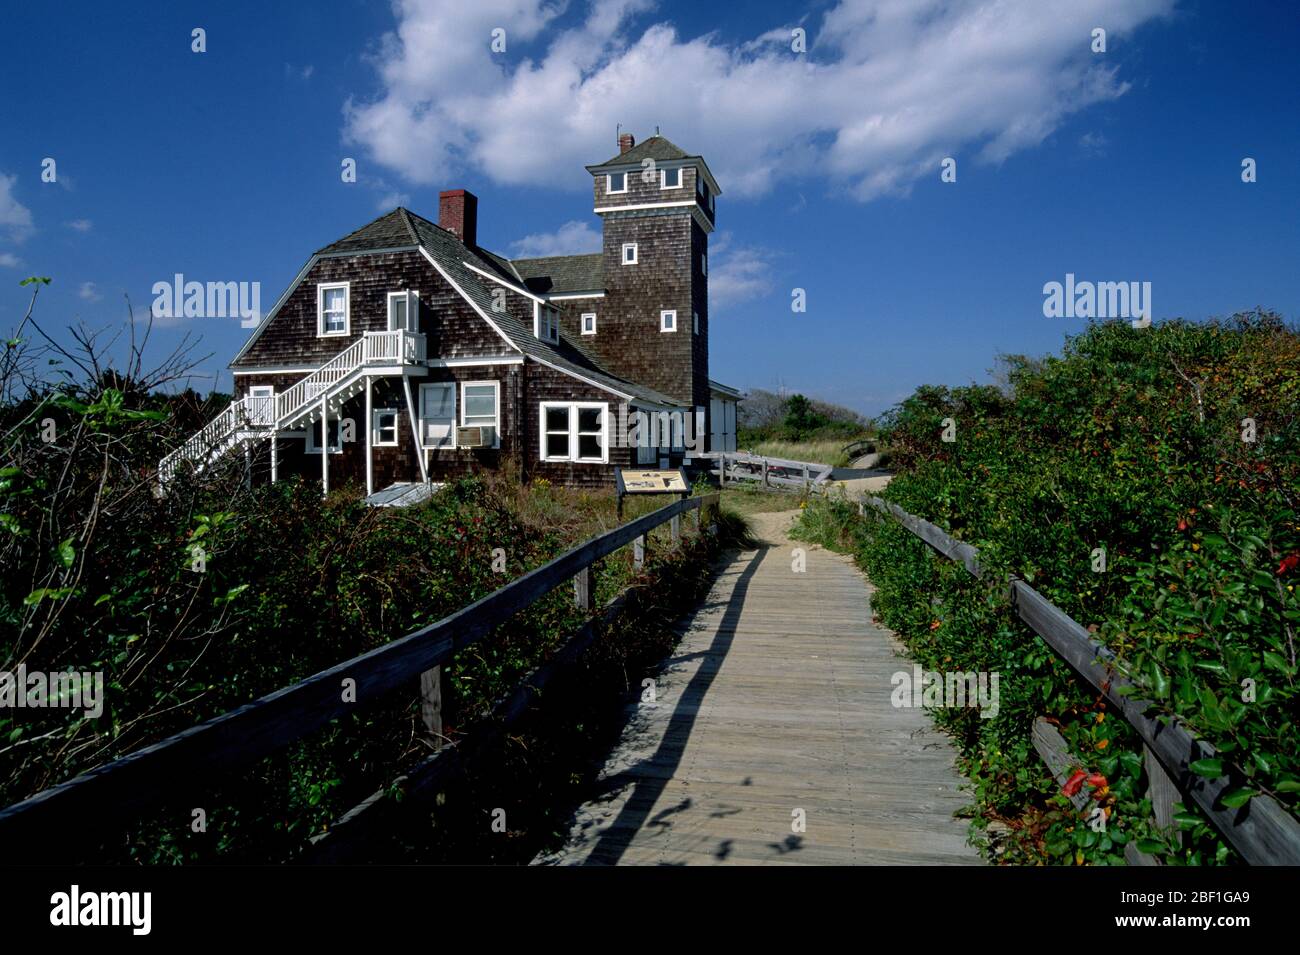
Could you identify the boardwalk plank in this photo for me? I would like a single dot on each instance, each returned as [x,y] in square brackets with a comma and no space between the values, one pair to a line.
[777,699]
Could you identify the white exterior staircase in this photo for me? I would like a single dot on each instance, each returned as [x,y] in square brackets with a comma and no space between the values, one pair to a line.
[336,381]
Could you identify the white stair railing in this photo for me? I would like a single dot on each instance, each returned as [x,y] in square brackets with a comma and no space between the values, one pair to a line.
[256,416]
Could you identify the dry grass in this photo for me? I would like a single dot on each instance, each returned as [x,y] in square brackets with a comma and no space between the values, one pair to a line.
[814,452]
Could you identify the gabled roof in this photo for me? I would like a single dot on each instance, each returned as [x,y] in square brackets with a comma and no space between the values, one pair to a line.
[556,274]
[403,229]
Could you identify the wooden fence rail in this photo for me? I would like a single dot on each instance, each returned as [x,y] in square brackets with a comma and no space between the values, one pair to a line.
[97,801]
[742,466]
[1261,831]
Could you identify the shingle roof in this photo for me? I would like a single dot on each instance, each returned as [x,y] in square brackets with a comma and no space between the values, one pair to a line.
[390,231]
[656,148]
[562,273]
[402,228]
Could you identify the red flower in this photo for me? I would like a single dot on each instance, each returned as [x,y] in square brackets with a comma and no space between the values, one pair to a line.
[1074,783]
[1288,564]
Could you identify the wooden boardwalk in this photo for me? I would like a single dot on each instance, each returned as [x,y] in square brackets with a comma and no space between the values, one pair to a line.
[776,700]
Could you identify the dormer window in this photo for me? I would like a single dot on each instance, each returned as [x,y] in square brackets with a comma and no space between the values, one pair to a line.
[629,253]
[670,178]
[668,320]
[546,323]
[616,182]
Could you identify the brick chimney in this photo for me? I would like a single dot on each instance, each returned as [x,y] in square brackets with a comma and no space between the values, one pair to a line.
[625,142]
[458,213]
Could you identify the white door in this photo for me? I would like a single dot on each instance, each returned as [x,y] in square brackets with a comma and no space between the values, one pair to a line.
[261,404]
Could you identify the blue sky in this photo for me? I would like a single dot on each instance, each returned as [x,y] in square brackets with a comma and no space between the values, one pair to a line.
[225,165]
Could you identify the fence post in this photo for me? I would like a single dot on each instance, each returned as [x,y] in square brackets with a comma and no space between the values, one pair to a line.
[722,470]
[765,484]
[638,553]
[431,705]
[675,526]
[805,478]
[583,595]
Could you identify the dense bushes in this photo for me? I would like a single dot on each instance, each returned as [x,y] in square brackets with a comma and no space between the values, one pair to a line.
[197,602]
[1172,454]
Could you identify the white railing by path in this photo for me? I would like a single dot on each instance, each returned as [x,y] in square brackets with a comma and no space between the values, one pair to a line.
[259,415]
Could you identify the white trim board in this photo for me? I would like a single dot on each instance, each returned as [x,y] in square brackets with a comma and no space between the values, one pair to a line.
[472,304]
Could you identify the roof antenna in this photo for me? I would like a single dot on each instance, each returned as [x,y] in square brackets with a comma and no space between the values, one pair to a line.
[656,130]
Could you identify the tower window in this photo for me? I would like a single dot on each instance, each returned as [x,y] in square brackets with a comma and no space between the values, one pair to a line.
[629,253]
[589,323]
[695,316]
[668,320]
[670,178]
[616,182]
[704,264]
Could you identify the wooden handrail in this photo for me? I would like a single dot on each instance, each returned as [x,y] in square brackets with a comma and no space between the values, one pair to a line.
[1262,831]
[95,800]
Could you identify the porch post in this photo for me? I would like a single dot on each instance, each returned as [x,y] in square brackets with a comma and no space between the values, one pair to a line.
[275,455]
[324,445]
[415,430]
[370,425]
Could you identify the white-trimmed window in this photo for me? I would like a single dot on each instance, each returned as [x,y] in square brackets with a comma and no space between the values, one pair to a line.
[670,178]
[574,431]
[332,309]
[615,182]
[479,404]
[383,432]
[438,414]
[546,322]
[668,320]
[629,253]
[588,323]
[403,311]
[332,435]
[695,322]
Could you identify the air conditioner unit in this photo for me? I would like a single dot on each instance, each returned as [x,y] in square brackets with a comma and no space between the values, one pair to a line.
[475,437]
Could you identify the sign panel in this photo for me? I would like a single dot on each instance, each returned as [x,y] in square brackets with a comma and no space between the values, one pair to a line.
[654,482]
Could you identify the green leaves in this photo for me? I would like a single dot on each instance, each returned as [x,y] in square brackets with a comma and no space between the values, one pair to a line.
[36,280]
[1210,768]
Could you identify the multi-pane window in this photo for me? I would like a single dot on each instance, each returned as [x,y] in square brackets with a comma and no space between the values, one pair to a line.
[478,408]
[384,434]
[332,309]
[331,433]
[546,323]
[574,431]
[438,414]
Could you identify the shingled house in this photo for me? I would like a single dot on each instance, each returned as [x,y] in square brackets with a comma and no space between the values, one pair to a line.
[405,352]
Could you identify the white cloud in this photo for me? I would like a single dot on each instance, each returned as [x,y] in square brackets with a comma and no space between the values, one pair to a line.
[9,260]
[572,238]
[81,225]
[737,273]
[14,216]
[888,88]
[391,200]
[89,292]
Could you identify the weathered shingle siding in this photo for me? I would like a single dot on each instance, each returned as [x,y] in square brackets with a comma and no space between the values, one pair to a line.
[547,384]
[639,191]
[628,338]
[451,326]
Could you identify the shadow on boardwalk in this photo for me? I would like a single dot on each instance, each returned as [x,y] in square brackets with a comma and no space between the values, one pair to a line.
[772,738]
